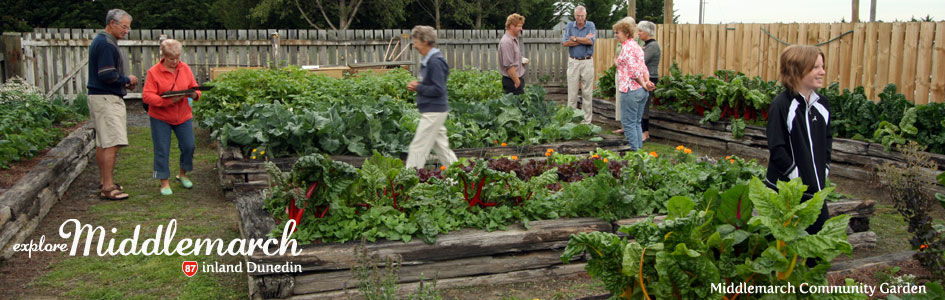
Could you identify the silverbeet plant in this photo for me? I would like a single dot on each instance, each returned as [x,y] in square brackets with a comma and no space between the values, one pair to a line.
[718,241]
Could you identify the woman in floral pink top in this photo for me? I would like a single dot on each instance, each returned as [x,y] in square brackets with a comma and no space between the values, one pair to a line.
[633,80]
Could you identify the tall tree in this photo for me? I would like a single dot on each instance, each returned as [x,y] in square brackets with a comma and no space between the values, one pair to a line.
[604,13]
[432,8]
[337,14]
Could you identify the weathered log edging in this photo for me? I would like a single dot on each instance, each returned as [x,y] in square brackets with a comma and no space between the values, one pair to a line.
[460,258]
[24,205]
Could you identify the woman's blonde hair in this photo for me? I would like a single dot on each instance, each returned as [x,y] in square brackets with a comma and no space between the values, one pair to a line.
[797,61]
[626,25]
[514,19]
[171,47]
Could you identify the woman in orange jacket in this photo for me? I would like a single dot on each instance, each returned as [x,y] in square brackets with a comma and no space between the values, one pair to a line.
[171,113]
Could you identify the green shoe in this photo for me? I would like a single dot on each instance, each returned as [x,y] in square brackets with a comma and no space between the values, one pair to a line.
[186,182]
[166,191]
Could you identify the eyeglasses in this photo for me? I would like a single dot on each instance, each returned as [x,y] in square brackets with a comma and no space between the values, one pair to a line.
[123,26]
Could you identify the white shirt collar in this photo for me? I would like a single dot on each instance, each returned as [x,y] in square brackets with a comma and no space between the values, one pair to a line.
[426,58]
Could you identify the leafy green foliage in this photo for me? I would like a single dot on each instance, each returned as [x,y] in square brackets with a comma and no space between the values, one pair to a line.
[727,94]
[28,122]
[606,86]
[292,112]
[893,120]
[384,200]
[904,185]
[716,240]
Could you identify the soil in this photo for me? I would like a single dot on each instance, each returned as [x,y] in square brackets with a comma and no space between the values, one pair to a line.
[9,177]
[869,276]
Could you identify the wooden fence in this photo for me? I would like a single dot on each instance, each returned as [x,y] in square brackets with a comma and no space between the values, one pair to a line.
[910,55]
[49,55]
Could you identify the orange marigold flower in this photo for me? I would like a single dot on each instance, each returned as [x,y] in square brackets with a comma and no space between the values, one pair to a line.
[680,147]
[605,159]
[923,247]
[495,141]
[547,154]
[731,161]
[654,154]
[442,168]
[514,157]
[728,157]
[595,156]
[504,144]
[687,151]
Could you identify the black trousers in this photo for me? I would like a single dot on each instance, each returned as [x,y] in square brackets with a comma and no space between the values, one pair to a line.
[645,124]
[509,86]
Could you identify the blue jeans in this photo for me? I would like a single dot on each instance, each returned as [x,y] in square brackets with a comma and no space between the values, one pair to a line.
[161,138]
[632,104]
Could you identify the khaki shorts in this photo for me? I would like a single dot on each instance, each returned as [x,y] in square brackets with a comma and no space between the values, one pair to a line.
[108,116]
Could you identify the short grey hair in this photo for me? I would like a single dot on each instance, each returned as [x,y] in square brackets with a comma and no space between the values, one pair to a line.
[424,34]
[580,8]
[116,15]
[648,27]
[171,47]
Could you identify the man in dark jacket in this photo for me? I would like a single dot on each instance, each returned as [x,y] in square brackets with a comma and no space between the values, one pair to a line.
[431,101]
[798,130]
[108,79]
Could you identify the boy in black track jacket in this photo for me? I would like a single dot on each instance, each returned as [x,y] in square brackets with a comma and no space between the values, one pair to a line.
[798,131]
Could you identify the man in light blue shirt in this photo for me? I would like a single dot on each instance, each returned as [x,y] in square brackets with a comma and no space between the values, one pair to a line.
[579,37]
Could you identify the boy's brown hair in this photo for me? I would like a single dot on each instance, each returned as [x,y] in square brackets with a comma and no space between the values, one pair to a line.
[514,19]
[797,61]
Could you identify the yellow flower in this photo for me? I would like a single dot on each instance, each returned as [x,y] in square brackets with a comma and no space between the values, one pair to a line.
[605,159]
[254,157]
[254,150]
[442,168]
[654,154]
[262,152]
[514,157]
[680,147]
[504,144]
[687,151]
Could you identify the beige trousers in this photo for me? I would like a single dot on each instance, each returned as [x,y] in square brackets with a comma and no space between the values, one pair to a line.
[581,71]
[430,134]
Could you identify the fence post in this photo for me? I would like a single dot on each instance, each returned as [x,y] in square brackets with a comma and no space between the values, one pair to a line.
[12,55]
[275,51]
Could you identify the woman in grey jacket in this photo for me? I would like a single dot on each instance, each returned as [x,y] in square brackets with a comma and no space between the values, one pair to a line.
[431,101]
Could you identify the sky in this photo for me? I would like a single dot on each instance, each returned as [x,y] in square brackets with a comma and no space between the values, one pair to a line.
[804,11]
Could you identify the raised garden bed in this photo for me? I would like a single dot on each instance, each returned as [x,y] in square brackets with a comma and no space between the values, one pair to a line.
[24,205]
[241,174]
[851,159]
[463,258]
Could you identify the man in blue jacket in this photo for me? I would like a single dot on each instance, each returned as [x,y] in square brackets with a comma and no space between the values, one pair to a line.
[431,101]
[107,83]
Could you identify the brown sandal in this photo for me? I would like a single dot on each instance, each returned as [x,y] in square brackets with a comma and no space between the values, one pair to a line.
[120,188]
[113,193]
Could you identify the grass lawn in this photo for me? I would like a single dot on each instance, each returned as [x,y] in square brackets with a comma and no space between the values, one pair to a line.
[200,212]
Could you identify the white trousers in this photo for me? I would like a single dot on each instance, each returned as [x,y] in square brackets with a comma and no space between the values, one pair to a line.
[581,71]
[431,133]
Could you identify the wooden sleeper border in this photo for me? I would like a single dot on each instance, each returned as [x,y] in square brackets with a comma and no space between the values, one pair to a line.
[24,205]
